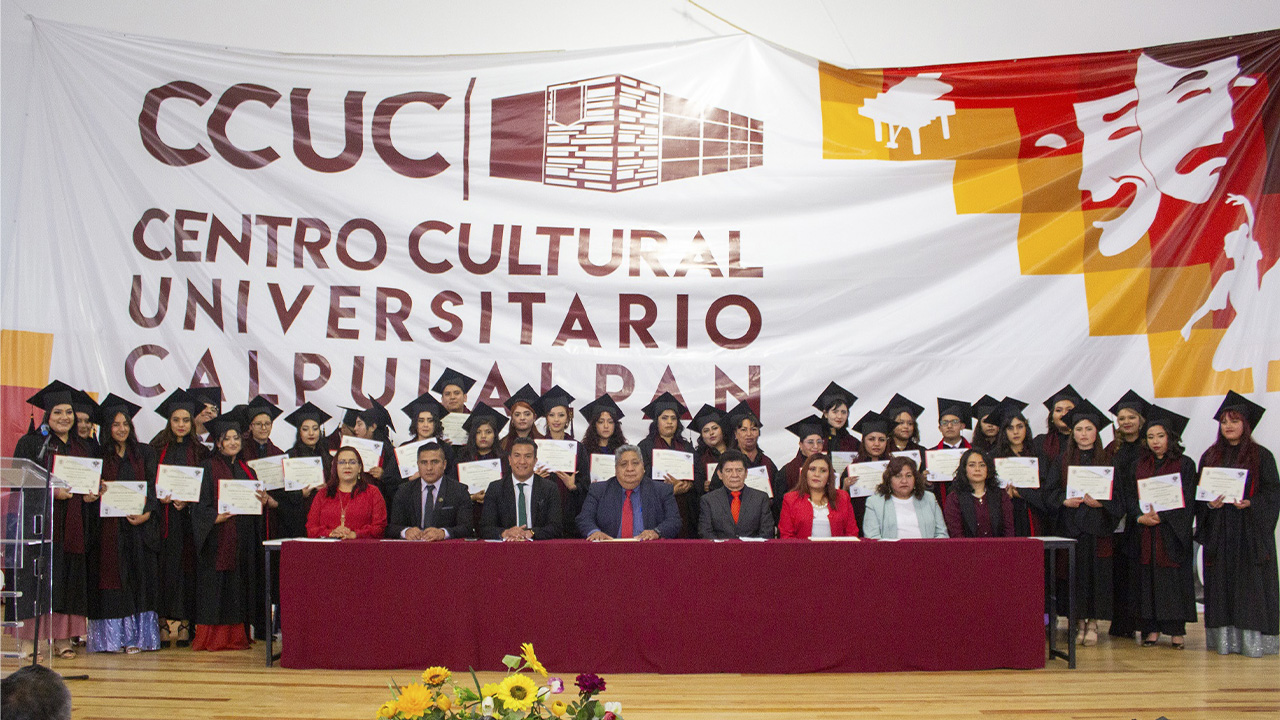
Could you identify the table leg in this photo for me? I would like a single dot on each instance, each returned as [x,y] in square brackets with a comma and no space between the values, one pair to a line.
[1051,592]
[270,621]
[1071,606]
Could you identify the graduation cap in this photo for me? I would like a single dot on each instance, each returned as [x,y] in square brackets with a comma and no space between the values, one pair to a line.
[1006,410]
[259,406]
[208,395]
[604,403]
[983,407]
[812,425]
[1172,422]
[707,414]
[483,412]
[959,408]
[1085,410]
[1132,401]
[307,412]
[424,402]
[873,422]
[555,397]
[350,415]
[665,401]
[741,411]
[834,395]
[233,419]
[899,404]
[1252,411]
[453,377]
[112,406]
[82,402]
[526,395]
[178,400]
[52,395]
[376,414]
[1066,393]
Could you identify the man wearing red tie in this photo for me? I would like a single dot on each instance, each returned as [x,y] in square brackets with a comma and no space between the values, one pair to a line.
[629,505]
[735,510]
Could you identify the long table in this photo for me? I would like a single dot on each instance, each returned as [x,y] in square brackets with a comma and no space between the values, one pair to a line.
[671,606]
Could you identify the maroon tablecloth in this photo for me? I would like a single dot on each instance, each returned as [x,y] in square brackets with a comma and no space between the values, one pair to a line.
[670,606]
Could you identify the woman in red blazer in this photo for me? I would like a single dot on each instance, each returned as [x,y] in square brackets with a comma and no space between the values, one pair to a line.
[816,508]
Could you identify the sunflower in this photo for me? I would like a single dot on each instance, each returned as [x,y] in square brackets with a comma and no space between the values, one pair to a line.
[388,710]
[517,692]
[435,676]
[489,689]
[415,700]
[526,652]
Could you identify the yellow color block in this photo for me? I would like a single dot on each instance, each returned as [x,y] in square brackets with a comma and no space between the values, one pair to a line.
[1176,292]
[1184,368]
[1273,376]
[1117,301]
[846,135]
[1050,184]
[987,186]
[1051,243]
[974,134]
[25,358]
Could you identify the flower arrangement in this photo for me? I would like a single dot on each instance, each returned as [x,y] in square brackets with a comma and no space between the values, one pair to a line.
[517,696]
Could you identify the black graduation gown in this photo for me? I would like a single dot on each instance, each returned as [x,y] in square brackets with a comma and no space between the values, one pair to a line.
[177,544]
[290,517]
[841,440]
[1032,514]
[1049,446]
[688,502]
[124,559]
[70,574]
[571,500]
[465,455]
[1094,530]
[390,481]
[776,480]
[1240,578]
[1124,619]
[229,577]
[701,458]
[1162,562]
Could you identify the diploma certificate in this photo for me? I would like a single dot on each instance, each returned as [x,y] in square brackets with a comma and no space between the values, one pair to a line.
[80,475]
[407,456]
[304,472]
[1020,472]
[122,499]
[841,460]
[678,465]
[943,463]
[370,450]
[1162,492]
[1091,480]
[1225,482]
[451,425]
[758,478]
[270,471]
[913,454]
[865,477]
[239,497]
[602,467]
[179,482]
[558,455]
[477,474]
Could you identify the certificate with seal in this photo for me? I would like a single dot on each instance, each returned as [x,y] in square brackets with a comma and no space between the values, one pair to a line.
[865,477]
[913,454]
[1092,480]
[451,427]
[1020,472]
[558,455]
[477,474]
[758,478]
[270,471]
[1161,493]
[179,482]
[370,450]
[303,472]
[841,460]
[239,497]
[678,465]
[407,456]
[1225,482]
[122,499]
[943,463]
[602,467]
[79,475]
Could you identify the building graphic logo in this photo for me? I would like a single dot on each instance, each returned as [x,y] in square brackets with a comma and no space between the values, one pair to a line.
[616,133]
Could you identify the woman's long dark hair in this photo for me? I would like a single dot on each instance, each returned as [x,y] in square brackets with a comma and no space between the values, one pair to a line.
[802,487]
[1004,449]
[435,421]
[591,439]
[894,467]
[331,482]
[1071,455]
[1245,453]
[471,451]
[960,482]
[166,436]
[1147,462]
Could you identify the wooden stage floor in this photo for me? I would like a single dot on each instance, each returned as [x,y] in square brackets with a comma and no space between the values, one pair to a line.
[1117,679]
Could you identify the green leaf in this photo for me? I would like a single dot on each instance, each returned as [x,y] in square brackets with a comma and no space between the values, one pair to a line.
[465,695]
[474,679]
[512,661]
[395,689]
[599,710]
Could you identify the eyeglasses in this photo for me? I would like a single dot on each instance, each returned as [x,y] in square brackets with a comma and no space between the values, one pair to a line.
[948,423]
[345,463]
[260,425]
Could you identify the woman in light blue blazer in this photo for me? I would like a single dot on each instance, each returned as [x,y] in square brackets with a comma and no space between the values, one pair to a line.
[902,506]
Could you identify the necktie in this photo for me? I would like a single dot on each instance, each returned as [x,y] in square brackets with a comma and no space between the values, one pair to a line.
[627,520]
[428,506]
[522,516]
[735,505]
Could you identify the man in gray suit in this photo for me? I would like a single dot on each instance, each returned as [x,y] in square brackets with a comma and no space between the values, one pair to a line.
[735,510]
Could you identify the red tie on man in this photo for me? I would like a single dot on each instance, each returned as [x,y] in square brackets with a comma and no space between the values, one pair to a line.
[735,505]
[627,521]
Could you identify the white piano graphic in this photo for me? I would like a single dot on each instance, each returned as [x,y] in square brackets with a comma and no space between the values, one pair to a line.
[913,104]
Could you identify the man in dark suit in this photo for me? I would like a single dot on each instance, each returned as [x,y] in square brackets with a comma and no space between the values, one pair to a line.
[629,504]
[720,519]
[521,506]
[435,507]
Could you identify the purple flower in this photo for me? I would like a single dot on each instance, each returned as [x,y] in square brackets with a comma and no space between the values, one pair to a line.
[609,716]
[556,685]
[590,683]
